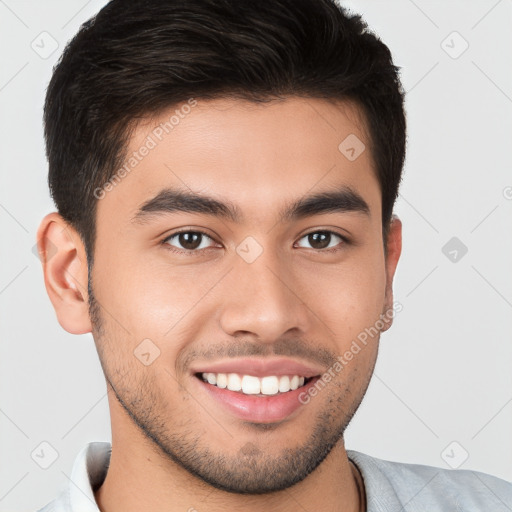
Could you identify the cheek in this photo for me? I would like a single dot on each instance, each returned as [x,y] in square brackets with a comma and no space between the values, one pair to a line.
[349,297]
[145,296]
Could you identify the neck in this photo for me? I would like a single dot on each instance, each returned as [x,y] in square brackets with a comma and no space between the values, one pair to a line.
[139,478]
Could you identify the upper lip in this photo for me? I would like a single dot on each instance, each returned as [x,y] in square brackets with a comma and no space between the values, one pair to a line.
[260,367]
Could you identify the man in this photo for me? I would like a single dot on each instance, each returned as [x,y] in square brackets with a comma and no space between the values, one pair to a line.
[225,174]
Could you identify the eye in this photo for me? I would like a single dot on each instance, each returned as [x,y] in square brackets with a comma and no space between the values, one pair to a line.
[321,240]
[188,241]
[194,241]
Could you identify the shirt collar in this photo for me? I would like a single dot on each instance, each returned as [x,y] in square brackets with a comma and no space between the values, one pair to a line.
[87,475]
[380,493]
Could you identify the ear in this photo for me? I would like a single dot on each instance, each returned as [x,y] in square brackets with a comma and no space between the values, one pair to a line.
[394,249]
[63,256]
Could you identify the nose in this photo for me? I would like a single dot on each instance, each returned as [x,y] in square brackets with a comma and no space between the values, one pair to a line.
[262,300]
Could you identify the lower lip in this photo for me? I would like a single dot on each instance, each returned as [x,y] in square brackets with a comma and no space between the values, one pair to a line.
[257,408]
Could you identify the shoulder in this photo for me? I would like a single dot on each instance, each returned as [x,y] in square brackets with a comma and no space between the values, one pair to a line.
[419,487]
[59,504]
[88,472]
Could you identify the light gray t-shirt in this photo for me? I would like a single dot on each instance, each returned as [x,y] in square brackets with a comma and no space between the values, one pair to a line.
[389,486]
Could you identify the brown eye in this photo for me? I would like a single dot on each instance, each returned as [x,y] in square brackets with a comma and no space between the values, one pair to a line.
[320,240]
[188,240]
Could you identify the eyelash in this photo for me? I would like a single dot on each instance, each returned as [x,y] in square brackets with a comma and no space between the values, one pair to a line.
[195,252]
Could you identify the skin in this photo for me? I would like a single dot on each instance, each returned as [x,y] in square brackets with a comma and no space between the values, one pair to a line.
[173,448]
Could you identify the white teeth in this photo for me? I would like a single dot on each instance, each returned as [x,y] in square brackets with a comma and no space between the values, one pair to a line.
[269,385]
[284,384]
[250,385]
[234,382]
[222,380]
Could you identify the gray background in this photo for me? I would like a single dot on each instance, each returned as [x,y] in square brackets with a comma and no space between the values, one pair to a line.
[442,389]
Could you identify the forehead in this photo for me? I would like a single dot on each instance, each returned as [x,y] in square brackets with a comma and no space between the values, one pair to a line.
[259,155]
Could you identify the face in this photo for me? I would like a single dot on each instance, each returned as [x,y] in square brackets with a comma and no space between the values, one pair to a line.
[264,279]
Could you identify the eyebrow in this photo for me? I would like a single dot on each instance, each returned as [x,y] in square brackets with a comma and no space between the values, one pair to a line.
[169,200]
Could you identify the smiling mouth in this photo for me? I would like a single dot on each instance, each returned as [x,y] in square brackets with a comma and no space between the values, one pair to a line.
[258,386]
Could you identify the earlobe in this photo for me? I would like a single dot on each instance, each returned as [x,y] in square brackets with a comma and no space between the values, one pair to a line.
[63,257]
[394,249]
